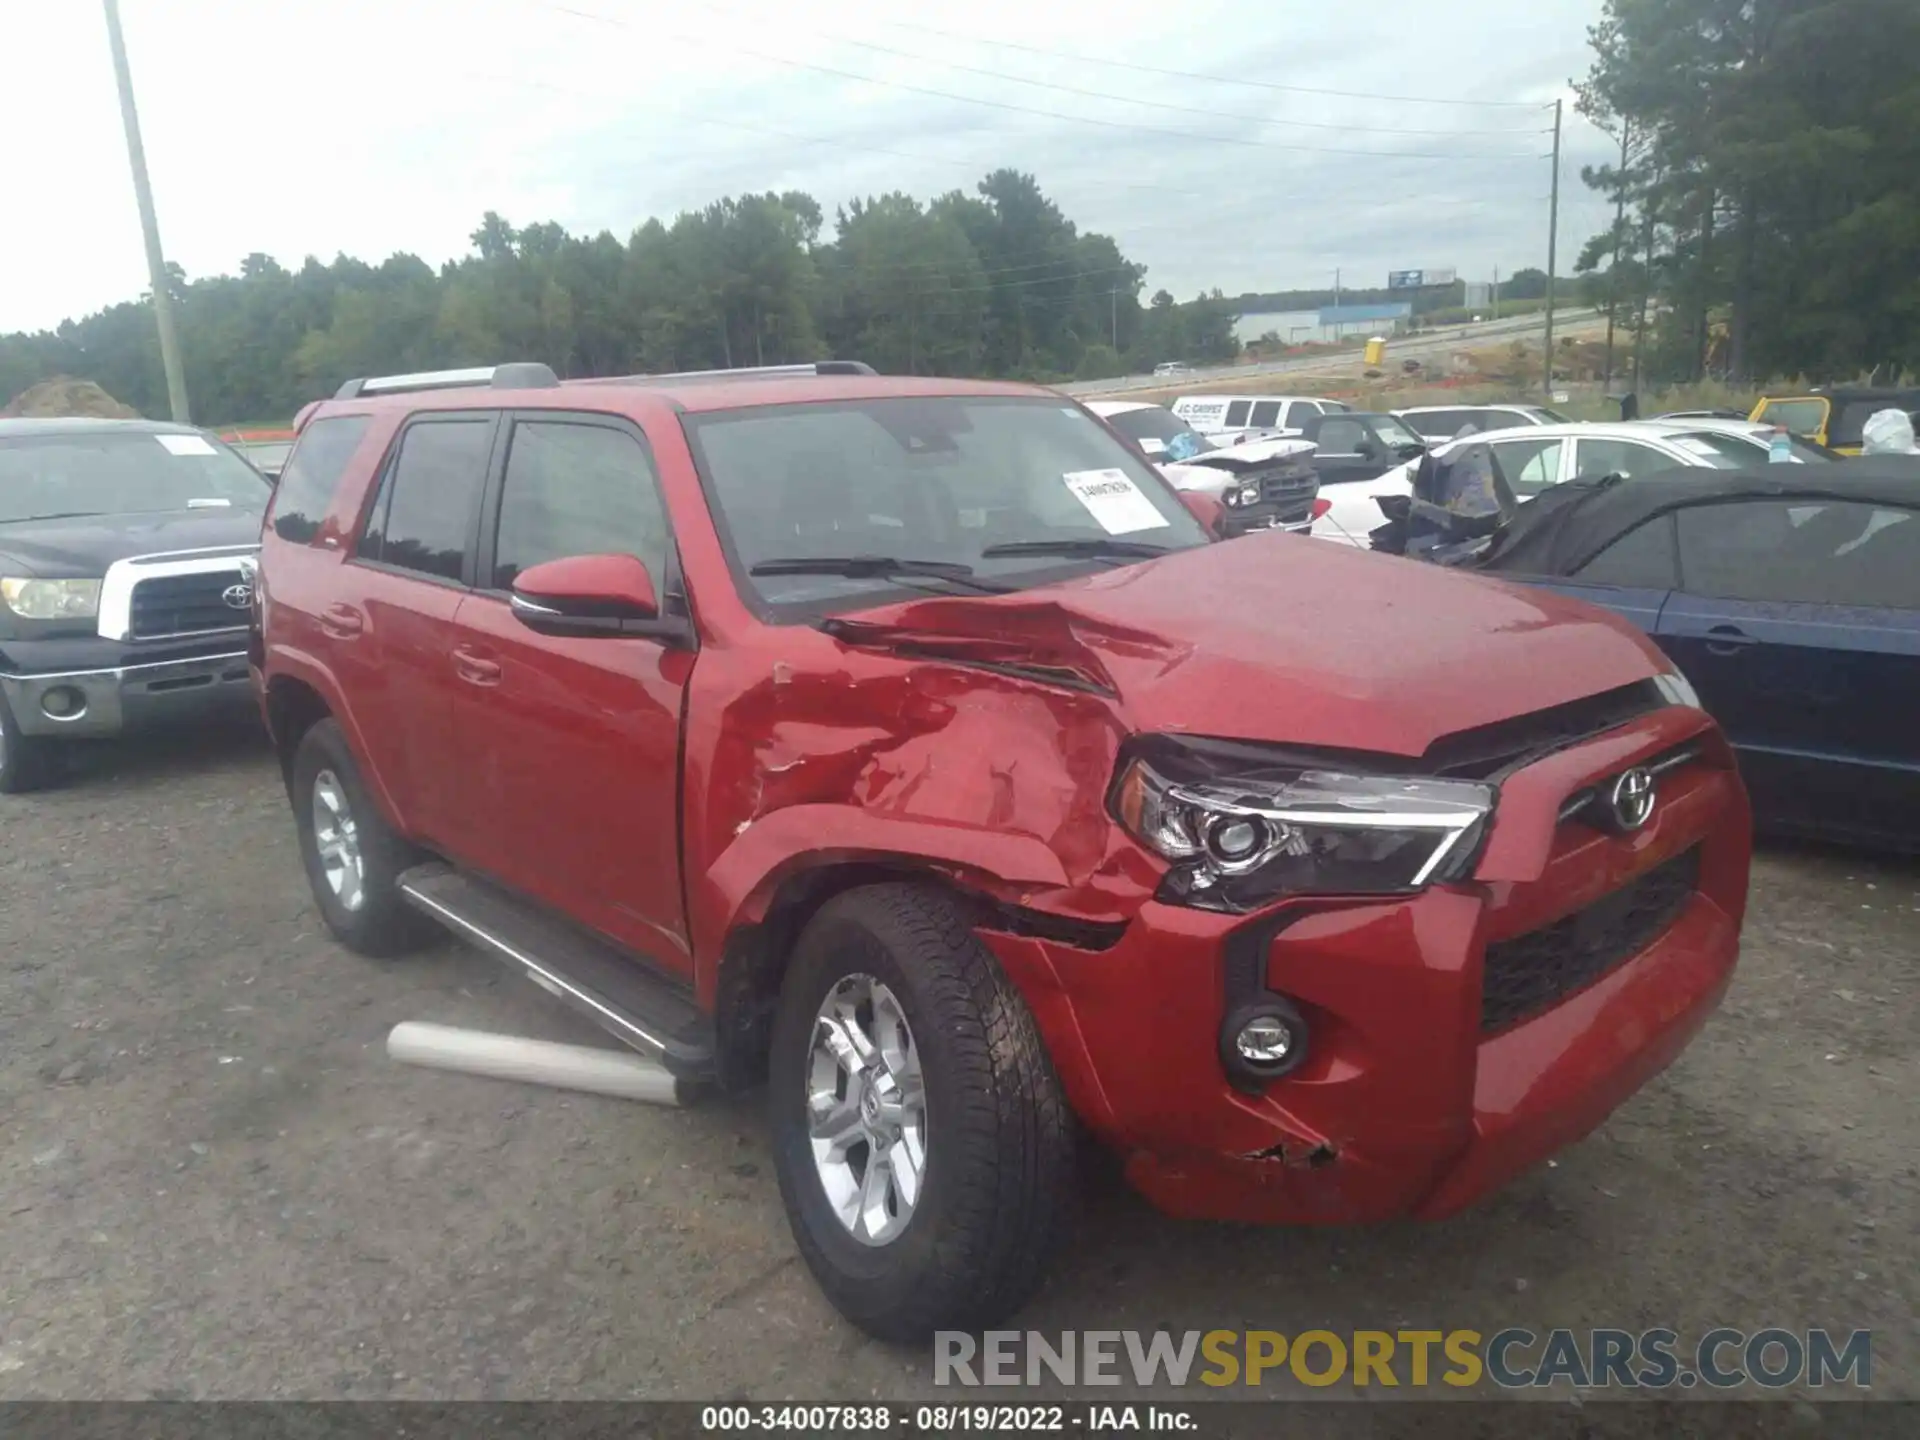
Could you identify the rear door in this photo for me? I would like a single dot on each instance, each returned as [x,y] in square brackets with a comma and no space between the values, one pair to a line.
[1799,623]
[571,746]
[392,627]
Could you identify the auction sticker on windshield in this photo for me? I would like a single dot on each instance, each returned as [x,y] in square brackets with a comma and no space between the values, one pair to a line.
[1114,501]
[186,445]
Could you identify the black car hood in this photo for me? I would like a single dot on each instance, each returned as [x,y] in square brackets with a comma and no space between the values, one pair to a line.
[83,547]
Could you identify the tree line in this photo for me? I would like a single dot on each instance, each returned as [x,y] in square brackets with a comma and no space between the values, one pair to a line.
[1767,186]
[994,283]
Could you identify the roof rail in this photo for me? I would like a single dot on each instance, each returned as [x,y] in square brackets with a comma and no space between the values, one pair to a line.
[519,375]
[750,372]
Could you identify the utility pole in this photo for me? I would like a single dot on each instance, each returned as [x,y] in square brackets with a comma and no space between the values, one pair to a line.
[1114,296]
[1496,292]
[1619,225]
[143,193]
[1553,239]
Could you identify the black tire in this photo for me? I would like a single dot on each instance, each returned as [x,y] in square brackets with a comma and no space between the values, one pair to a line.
[381,925]
[27,762]
[998,1181]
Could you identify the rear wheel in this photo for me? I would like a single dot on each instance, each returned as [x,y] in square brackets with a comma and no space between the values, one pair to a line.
[353,857]
[27,762]
[923,1146]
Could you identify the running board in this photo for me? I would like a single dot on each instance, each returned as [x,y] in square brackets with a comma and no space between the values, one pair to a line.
[615,990]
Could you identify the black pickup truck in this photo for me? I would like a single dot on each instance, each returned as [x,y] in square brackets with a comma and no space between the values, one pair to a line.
[126,583]
[1357,445]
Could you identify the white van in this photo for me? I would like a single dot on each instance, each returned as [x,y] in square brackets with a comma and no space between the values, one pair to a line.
[1252,417]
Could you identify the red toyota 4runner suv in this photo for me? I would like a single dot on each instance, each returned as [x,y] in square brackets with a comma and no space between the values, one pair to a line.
[908,744]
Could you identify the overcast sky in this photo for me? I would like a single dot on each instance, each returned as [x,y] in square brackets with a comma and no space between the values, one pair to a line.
[304,127]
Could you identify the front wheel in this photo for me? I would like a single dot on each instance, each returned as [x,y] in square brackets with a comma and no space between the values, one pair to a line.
[923,1146]
[27,762]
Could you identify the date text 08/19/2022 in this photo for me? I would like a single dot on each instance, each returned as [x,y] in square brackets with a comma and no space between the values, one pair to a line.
[946,1419]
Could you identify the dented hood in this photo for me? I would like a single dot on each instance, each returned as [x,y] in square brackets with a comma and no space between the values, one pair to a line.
[1283,639]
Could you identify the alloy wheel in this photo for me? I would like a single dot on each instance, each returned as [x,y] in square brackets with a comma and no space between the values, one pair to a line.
[867,1110]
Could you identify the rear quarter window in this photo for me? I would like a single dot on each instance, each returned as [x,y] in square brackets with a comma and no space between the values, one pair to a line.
[312,475]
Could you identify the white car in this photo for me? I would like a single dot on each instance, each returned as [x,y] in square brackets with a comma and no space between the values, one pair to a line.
[1443,422]
[1252,417]
[1533,457]
[1264,484]
[1171,368]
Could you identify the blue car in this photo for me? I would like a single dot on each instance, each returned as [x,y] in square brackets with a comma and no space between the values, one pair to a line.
[1790,601]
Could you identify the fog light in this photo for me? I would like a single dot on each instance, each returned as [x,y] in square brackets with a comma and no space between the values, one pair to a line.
[1266,1041]
[63,702]
[1263,1040]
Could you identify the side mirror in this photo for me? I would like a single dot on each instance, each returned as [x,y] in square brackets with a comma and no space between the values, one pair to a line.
[1211,514]
[587,595]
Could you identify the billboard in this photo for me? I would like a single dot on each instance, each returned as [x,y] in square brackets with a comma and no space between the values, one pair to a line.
[1420,279]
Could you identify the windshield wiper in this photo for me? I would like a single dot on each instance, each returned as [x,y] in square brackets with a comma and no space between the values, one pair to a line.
[880,567]
[1080,548]
[59,515]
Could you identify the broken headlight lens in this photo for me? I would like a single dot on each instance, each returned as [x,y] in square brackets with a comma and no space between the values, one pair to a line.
[1238,843]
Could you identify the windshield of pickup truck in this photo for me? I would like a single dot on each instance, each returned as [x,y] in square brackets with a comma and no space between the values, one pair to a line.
[121,473]
[996,493]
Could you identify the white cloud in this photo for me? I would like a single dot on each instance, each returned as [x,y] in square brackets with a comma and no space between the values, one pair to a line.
[371,126]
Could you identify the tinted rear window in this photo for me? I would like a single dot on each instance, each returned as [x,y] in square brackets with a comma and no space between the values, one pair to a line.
[424,518]
[312,475]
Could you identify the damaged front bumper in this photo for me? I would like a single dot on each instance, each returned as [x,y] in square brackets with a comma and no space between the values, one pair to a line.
[1410,1102]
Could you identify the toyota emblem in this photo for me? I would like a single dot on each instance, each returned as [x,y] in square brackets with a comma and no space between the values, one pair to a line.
[237,597]
[1630,801]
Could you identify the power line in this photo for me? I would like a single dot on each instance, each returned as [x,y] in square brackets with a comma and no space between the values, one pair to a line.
[1216,209]
[1209,79]
[1008,105]
[1210,114]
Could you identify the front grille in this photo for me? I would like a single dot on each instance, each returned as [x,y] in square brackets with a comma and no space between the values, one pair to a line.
[185,604]
[1536,971]
[1294,484]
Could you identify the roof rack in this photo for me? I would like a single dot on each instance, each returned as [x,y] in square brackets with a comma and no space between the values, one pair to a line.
[750,372]
[519,375]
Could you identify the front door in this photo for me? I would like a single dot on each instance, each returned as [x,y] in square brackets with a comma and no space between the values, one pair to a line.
[1800,627]
[572,745]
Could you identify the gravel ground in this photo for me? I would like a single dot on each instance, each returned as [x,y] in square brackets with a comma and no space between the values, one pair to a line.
[214,1184]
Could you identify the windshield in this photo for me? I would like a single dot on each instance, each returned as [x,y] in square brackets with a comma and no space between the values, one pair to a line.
[1545,416]
[938,479]
[1802,417]
[122,473]
[1154,423]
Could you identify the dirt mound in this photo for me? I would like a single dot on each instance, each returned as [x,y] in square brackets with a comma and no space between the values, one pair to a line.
[63,395]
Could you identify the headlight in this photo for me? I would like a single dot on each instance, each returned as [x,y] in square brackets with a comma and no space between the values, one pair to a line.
[1249,494]
[1676,689]
[1239,842]
[1230,496]
[52,599]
